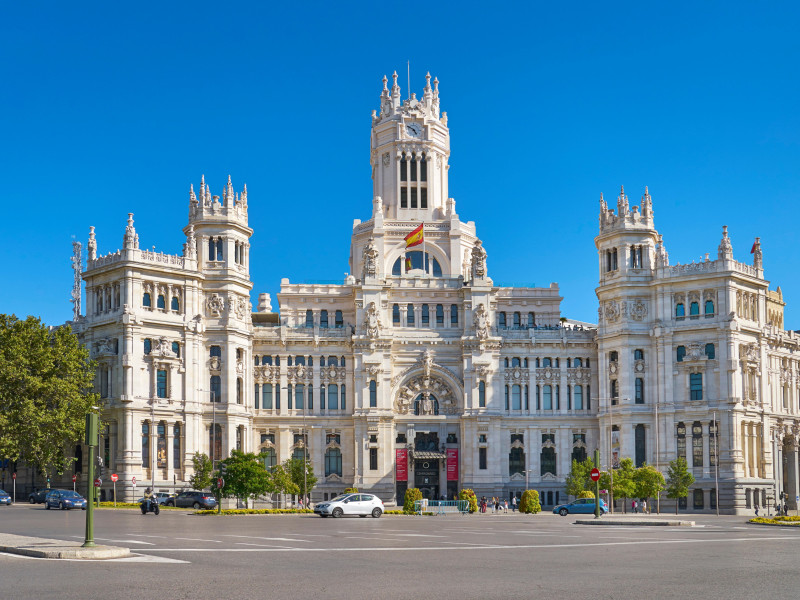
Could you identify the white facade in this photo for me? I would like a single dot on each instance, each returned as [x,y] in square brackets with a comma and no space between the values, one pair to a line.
[432,360]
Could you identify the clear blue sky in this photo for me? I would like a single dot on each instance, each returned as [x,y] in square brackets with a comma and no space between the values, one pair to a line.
[110,108]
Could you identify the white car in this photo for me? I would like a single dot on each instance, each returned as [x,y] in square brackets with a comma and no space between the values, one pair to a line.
[351,504]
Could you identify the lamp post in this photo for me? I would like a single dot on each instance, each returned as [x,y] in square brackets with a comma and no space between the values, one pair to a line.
[716,462]
[92,428]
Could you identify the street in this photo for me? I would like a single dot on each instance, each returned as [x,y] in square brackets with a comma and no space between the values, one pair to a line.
[478,556]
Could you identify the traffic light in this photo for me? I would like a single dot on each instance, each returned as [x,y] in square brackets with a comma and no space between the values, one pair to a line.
[223,469]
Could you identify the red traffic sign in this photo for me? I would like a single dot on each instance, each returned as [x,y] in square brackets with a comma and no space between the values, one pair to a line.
[114,477]
[98,482]
[13,476]
[74,478]
[220,482]
[133,480]
[595,475]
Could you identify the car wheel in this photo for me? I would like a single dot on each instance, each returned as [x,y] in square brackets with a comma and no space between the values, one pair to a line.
[47,506]
[563,512]
[337,512]
[196,505]
[61,506]
[31,500]
[376,513]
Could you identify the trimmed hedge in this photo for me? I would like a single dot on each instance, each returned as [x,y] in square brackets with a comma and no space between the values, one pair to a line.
[468,494]
[256,511]
[792,521]
[412,495]
[529,503]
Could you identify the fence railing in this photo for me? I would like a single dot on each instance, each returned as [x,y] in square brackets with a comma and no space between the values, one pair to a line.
[441,507]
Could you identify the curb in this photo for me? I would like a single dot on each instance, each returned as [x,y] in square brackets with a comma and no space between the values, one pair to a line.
[47,548]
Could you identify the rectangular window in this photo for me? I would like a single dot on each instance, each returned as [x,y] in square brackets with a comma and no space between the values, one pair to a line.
[423,198]
[403,193]
[577,397]
[697,451]
[482,394]
[482,459]
[547,397]
[403,169]
[176,448]
[256,397]
[413,193]
[289,396]
[333,396]
[299,396]
[516,397]
[161,383]
[343,402]
[373,459]
[695,386]
[507,397]
[277,397]
[266,396]
[527,399]
[453,314]
[639,391]
[373,394]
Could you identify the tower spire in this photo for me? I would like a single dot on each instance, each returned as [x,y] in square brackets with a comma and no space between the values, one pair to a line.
[725,249]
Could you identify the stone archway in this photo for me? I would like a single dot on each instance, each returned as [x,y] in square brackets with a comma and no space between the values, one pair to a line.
[428,389]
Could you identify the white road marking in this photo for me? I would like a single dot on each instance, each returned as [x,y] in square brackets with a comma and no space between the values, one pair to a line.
[198,540]
[165,537]
[264,545]
[274,539]
[80,537]
[135,558]
[492,546]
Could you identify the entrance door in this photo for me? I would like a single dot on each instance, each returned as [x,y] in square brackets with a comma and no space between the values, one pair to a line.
[426,478]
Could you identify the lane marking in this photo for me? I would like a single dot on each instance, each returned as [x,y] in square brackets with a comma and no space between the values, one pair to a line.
[274,539]
[80,537]
[197,540]
[146,558]
[265,545]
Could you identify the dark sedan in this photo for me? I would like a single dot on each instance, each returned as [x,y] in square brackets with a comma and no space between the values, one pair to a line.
[64,499]
[37,497]
[192,499]
[5,498]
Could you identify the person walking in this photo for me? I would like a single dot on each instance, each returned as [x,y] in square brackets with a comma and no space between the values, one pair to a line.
[644,507]
[633,507]
[756,509]
[514,504]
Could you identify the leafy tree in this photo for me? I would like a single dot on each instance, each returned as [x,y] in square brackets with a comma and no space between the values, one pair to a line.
[469,495]
[623,481]
[246,476]
[586,494]
[579,478]
[351,490]
[46,381]
[294,466]
[280,481]
[648,482]
[529,503]
[202,471]
[678,480]
[412,495]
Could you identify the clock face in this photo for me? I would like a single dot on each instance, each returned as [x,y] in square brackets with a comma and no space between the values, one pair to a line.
[414,129]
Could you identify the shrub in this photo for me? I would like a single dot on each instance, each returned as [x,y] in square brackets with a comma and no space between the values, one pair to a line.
[412,495]
[468,494]
[351,491]
[255,511]
[586,494]
[530,502]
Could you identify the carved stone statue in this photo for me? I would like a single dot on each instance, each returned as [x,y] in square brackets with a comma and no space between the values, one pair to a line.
[480,319]
[370,255]
[427,363]
[478,261]
[372,321]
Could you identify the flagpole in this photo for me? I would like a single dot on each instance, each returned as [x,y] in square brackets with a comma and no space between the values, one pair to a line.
[425,265]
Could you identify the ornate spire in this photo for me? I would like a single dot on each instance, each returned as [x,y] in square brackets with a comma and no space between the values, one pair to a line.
[662,258]
[244,195]
[131,239]
[395,87]
[725,249]
[647,204]
[77,262]
[622,202]
[603,205]
[428,92]
[190,247]
[92,245]
[385,90]
[758,257]
[192,197]
[228,197]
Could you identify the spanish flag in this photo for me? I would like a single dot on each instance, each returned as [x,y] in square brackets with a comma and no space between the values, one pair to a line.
[416,237]
[408,263]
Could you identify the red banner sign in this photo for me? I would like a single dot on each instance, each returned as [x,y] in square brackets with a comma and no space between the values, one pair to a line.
[401,460]
[452,464]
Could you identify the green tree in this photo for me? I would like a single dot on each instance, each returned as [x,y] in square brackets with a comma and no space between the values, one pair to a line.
[412,495]
[46,381]
[579,478]
[586,494]
[245,477]
[648,482]
[678,480]
[529,503]
[201,479]
[623,481]
[280,481]
[469,495]
[294,466]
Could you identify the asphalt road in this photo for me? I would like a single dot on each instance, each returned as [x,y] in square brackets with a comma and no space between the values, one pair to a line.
[479,556]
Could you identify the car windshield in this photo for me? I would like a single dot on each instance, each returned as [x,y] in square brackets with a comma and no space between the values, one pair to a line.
[340,498]
[69,494]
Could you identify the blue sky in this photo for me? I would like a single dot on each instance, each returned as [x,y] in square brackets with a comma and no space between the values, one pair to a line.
[110,108]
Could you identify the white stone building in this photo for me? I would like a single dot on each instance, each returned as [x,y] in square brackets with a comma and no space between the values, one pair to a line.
[419,371]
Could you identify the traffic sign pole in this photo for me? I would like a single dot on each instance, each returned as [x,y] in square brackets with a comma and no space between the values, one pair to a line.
[14,477]
[92,427]
[596,476]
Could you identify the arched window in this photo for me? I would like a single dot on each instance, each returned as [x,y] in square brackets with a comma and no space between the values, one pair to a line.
[212,249]
[410,315]
[333,462]
[373,394]
[420,408]
[176,305]
[680,353]
[516,461]
[517,320]
[309,318]
[680,311]
[146,301]
[323,319]
[176,349]
[709,308]
[266,360]
[681,440]
[501,320]
[577,362]
[414,262]
[694,309]
[482,394]
[338,322]
[613,356]
[426,317]
[161,446]
[548,454]
[439,314]
[546,362]
[710,353]
[453,314]
[300,360]
[525,363]
[161,302]
[333,361]
[269,457]
[638,355]
[148,345]
[505,363]
[395,314]
[515,362]
[216,388]
[146,445]
[176,447]
[639,391]
[238,390]
[577,397]
[215,351]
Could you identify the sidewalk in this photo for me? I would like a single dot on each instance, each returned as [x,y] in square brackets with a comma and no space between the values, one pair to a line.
[47,548]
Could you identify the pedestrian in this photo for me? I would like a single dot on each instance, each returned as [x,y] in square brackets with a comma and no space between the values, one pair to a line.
[756,509]
[633,506]
[514,504]
[644,507]
[505,506]
[497,505]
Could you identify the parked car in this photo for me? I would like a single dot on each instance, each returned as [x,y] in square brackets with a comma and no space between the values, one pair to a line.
[195,500]
[5,498]
[37,496]
[351,504]
[581,506]
[162,498]
[64,499]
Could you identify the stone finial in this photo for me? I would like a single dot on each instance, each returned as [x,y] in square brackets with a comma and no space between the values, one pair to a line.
[622,203]
[603,205]
[385,89]
[395,87]
[243,197]
[725,249]
[190,246]
[428,93]
[647,203]
[758,257]
[131,239]
[662,258]
[91,246]
[436,87]
[192,197]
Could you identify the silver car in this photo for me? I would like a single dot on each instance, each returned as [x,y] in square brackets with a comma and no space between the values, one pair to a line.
[351,504]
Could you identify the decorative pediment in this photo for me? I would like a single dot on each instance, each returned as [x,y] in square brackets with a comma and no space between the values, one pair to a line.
[333,477]
[548,477]
[548,444]
[518,477]
[517,375]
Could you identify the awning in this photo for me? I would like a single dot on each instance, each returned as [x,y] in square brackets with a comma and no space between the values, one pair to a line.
[428,455]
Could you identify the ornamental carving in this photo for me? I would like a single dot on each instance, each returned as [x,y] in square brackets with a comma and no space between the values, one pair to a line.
[373,370]
[215,305]
[478,261]
[638,366]
[370,256]
[214,364]
[481,322]
[482,371]
[386,159]
[579,375]
[638,310]
[241,308]
[516,375]
[372,322]
[332,373]
[547,374]
[750,352]
[431,367]
[429,390]
[267,373]
[612,311]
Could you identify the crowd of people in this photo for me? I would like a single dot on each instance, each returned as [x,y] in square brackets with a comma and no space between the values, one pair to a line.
[496,505]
